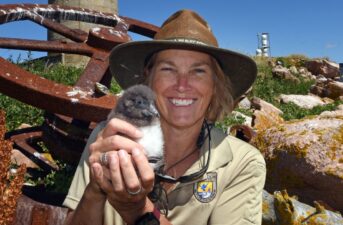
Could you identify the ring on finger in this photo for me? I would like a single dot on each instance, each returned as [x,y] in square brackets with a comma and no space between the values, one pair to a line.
[104,159]
[135,192]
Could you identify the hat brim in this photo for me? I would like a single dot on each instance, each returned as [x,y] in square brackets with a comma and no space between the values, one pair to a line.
[127,62]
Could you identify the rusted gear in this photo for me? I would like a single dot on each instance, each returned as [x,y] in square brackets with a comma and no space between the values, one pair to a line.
[71,108]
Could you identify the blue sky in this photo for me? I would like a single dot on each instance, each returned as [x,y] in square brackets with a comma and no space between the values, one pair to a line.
[309,27]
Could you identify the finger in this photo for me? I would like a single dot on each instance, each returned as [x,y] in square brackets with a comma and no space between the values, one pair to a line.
[116,125]
[110,144]
[100,179]
[115,173]
[114,142]
[128,171]
[144,169]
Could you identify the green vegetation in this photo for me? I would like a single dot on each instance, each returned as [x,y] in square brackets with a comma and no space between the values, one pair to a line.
[269,89]
[292,60]
[18,112]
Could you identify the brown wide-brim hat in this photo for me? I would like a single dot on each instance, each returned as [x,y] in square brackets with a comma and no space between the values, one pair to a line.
[183,30]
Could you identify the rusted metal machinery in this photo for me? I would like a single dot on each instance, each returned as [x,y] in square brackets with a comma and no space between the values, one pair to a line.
[70,110]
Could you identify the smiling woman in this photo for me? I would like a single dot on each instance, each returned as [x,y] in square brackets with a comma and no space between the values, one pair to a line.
[204,172]
[183,83]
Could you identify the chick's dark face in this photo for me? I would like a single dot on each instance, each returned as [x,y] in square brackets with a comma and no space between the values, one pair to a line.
[137,107]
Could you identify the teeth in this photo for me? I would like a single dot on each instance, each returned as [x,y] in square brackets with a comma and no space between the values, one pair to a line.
[182,102]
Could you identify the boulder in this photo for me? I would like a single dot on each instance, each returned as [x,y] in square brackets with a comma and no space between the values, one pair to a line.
[304,101]
[323,67]
[259,104]
[284,73]
[328,88]
[305,157]
[266,117]
[305,74]
[282,209]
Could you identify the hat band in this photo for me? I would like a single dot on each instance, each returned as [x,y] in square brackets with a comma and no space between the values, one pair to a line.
[187,40]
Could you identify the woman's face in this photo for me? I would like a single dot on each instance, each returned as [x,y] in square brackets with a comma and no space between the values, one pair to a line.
[183,84]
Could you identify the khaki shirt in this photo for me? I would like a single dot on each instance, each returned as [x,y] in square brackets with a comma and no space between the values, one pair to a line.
[229,193]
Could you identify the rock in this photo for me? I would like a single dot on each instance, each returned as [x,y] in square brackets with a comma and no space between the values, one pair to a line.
[265,114]
[334,89]
[305,74]
[324,67]
[304,101]
[244,103]
[284,73]
[262,105]
[293,70]
[306,158]
[282,209]
[336,113]
[328,88]
[265,119]
[246,118]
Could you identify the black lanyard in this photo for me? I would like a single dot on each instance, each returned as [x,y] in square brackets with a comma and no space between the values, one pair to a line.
[194,176]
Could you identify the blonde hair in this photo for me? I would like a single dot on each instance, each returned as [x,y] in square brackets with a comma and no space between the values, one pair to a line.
[222,102]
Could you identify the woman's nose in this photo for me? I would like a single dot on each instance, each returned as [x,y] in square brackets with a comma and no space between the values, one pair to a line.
[182,83]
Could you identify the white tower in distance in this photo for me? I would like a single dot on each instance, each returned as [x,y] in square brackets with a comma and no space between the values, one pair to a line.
[263,45]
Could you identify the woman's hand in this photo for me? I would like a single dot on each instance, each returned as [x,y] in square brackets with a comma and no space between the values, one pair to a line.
[127,171]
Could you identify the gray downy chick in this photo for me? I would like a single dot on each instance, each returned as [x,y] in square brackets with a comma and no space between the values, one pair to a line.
[137,106]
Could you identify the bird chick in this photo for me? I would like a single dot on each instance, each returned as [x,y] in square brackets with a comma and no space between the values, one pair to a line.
[137,106]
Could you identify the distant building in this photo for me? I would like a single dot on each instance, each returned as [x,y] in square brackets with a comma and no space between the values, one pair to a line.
[263,45]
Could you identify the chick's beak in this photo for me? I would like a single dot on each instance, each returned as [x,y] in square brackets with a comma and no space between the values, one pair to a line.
[153,110]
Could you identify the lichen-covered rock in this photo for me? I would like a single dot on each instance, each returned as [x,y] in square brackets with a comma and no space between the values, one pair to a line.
[306,158]
[282,209]
[265,114]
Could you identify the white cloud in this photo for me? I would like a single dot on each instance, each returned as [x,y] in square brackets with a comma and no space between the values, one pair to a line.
[330,45]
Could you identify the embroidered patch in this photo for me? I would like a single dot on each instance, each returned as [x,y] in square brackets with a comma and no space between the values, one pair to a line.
[205,190]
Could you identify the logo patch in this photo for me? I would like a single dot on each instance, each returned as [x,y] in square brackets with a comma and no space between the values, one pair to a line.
[205,190]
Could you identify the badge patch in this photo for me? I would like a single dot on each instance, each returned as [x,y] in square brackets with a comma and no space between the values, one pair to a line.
[205,190]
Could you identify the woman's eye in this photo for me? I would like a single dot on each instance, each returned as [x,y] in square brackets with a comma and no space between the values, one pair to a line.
[199,71]
[166,69]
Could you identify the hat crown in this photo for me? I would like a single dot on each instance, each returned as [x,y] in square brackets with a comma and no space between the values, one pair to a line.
[186,25]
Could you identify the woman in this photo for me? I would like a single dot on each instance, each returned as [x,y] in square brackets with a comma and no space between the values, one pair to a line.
[209,178]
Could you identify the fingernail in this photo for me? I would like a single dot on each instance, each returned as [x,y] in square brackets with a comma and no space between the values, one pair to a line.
[122,155]
[136,152]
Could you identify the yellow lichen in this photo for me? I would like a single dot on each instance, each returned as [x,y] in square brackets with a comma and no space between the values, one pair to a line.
[265,207]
